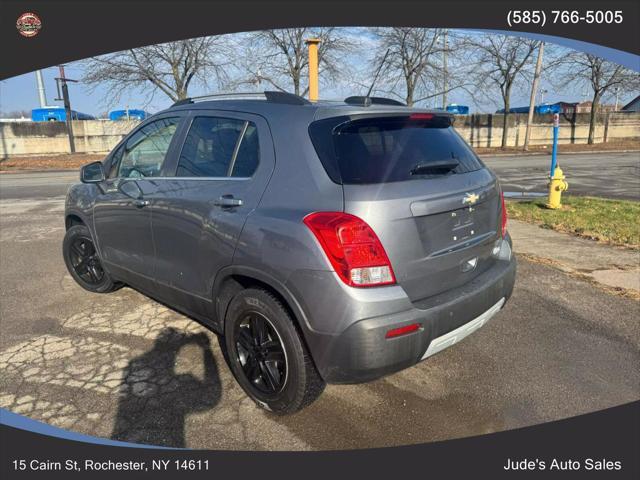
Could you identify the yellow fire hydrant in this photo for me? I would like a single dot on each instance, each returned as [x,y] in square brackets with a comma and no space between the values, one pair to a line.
[557,185]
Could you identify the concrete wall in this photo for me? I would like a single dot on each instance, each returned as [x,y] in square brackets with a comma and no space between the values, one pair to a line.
[46,138]
[484,130]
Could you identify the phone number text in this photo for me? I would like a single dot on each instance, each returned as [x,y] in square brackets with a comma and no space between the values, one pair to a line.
[540,17]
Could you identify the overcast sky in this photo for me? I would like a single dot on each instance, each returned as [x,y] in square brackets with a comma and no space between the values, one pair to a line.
[20,93]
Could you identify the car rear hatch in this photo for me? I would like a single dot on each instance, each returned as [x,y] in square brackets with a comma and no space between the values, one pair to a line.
[430,200]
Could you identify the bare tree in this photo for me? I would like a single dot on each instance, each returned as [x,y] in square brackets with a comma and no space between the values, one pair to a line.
[170,68]
[500,60]
[415,63]
[280,57]
[601,76]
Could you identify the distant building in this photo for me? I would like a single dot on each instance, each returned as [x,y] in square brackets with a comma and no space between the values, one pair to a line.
[567,107]
[57,114]
[585,107]
[515,110]
[457,109]
[547,108]
[632,106]
[544,109]
[128,114]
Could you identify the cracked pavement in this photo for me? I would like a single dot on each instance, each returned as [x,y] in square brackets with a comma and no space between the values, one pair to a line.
[125,367]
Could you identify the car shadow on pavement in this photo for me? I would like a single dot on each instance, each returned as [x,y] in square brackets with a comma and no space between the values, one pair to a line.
[155,399]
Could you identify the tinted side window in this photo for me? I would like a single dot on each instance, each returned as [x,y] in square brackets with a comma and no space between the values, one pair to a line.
[219,147]
[146,149]
[248,156]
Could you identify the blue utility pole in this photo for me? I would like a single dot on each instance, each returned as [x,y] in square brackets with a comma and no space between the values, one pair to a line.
[554,150]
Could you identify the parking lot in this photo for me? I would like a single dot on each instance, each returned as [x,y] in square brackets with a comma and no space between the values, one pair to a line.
[123,366]
[606,174]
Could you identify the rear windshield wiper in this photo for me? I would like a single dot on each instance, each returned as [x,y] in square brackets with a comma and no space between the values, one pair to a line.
[439,167]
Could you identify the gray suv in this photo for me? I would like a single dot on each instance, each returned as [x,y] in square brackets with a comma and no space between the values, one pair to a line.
[323,242]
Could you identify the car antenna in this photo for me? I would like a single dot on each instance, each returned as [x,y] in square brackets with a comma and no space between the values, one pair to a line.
[375,78]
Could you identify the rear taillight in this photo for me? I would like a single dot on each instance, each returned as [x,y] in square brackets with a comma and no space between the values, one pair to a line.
[504,215]
[353,248]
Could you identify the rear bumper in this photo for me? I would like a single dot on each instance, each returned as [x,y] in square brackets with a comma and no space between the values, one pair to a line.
[454,336]
[362,353]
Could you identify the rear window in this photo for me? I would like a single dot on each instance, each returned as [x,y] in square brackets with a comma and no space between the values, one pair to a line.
[390,149]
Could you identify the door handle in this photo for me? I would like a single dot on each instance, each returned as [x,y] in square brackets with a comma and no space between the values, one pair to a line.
[227,201]
[140,203]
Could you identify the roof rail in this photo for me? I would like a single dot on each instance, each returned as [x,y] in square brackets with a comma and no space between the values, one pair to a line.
[368,101]
[285,97]
[273,97]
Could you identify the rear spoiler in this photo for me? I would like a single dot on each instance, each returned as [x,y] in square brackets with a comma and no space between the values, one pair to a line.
[438,119]
[368,101]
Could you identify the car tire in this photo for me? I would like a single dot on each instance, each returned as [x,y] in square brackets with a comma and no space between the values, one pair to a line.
[254,315]
[83,262]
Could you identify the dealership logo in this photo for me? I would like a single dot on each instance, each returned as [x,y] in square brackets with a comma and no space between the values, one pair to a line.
[28,24]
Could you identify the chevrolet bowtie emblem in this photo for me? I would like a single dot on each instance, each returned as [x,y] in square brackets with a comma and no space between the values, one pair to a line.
[470,198]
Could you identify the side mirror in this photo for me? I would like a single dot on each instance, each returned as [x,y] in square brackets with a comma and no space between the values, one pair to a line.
[92,173]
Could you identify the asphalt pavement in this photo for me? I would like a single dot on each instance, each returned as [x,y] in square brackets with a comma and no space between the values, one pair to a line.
[36,185]
[611,174]
[123,366]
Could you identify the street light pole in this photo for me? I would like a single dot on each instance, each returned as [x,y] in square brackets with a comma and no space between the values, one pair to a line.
[532,100]
[62,84]
[445,66]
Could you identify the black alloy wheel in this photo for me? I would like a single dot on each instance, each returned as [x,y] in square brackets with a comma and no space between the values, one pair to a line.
[266,353]
[261,354]
[85,261]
